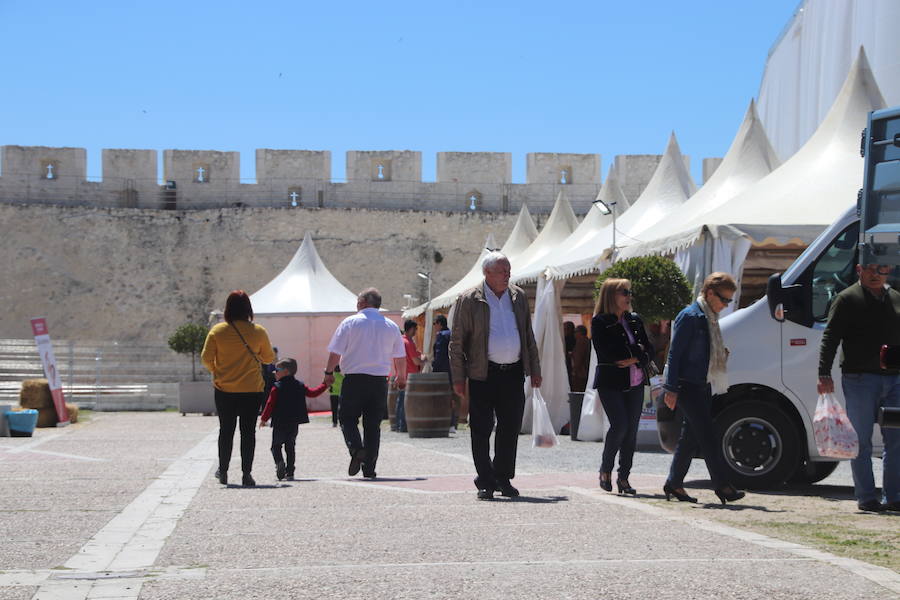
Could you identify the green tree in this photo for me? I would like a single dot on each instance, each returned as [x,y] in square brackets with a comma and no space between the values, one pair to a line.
[189,339]
[660,288]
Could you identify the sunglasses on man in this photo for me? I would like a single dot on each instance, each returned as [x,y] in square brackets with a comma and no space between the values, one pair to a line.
[877,270]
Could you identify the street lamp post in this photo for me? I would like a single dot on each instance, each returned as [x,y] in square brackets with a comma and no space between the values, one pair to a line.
[427,276]
[608,209]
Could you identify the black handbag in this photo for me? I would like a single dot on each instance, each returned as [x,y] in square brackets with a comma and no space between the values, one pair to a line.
[650,370]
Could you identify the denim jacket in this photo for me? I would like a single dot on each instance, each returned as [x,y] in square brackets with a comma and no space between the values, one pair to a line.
[688,359]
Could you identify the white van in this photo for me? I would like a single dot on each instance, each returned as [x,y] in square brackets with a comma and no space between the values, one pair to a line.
[765,419]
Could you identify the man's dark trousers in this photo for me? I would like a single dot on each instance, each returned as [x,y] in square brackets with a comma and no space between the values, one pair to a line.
[503,395]
[285,436]
[363,396]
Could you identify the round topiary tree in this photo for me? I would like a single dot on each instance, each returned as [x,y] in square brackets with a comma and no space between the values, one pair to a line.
[189,339]
[660,288]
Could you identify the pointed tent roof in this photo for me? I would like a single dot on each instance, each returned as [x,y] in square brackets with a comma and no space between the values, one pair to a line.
[587,232]
[670,186]
[748,160]
[523,234]
[817,184]
[304,286]
[560,225]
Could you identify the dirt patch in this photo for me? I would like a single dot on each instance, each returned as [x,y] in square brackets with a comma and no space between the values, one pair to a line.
[820,516]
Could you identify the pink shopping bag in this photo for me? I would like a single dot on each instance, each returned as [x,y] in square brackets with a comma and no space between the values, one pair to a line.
[835,436]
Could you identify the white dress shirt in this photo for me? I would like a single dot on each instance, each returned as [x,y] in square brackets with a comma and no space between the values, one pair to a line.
[504,346]
[367,343]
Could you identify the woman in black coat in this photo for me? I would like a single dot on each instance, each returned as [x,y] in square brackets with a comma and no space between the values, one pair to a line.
[623,351]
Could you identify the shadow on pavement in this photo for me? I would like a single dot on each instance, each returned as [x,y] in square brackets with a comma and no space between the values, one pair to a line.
[390,479]
[534,499]
[738,507]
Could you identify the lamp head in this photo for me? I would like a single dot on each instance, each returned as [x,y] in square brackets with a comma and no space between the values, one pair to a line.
[603,207]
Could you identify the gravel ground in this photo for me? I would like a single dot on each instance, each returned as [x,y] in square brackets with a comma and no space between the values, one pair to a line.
[416,531]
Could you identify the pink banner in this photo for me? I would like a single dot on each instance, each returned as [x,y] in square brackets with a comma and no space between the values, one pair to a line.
[45,349]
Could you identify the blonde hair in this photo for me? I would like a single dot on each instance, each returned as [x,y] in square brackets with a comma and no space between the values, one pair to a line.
[606,297]
[718,281]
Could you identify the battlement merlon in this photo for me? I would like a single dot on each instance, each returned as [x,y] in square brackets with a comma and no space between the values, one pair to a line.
[375,179]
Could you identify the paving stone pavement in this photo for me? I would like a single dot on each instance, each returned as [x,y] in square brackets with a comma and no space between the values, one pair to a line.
[126,506]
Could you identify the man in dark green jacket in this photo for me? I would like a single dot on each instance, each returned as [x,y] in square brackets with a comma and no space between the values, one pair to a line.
[862,318]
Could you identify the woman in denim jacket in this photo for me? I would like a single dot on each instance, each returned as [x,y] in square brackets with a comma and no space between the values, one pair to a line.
[623,350]
[695,371]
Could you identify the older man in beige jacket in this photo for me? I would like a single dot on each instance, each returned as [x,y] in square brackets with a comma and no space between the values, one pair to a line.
[492,345]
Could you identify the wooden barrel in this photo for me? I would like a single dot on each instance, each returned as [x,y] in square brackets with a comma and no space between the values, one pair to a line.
[392,403]
[428,404]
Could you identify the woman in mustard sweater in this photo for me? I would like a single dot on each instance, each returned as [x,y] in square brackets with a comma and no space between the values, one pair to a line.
[233,353]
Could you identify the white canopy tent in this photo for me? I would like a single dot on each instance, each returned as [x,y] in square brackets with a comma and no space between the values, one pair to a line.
[586,235]
[795,202]
[669,188]
[559,226]
[520,238]
[748,160]
[300,308]
[547,326]
[809,62]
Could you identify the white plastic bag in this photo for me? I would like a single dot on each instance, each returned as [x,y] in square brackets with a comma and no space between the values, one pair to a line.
[542,434]
[592,425]
[835,436]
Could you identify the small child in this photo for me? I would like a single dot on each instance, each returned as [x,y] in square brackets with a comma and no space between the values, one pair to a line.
[336,394]
[287,407]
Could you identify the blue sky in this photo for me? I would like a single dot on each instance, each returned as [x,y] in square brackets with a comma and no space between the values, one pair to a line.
[595,77]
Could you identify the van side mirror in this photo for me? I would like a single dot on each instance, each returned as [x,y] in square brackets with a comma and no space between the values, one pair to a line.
[782,299]
[775,296]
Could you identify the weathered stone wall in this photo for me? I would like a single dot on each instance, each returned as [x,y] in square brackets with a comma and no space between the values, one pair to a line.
[129,274]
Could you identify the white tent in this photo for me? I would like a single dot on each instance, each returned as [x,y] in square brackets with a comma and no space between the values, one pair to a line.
[547,326]
[586,235]
[809,62]
[304,286]
[300,308]
[748,160]
[670,186]
[559,226]
[818,183]
[523,234]
[796,201]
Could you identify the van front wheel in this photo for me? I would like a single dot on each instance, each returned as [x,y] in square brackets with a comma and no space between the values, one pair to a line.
[759,444]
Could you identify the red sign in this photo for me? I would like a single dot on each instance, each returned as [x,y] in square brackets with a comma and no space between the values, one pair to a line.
[798,341]
[48,360]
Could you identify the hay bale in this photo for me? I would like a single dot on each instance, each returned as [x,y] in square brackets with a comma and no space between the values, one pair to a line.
[73,412]
[35,393]
[47,417]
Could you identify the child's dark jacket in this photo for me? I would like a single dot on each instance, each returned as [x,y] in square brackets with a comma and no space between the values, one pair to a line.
[287,402]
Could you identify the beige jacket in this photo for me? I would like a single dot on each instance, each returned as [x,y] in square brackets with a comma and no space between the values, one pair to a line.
[469,334]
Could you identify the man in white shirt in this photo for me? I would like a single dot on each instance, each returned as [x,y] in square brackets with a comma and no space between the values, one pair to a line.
[365,345]
[492,345]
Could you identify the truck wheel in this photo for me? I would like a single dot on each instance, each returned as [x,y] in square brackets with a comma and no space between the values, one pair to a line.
[759,444]
[813,472]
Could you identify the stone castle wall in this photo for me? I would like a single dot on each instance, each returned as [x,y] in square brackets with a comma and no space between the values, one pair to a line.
[387,180]
[105,273]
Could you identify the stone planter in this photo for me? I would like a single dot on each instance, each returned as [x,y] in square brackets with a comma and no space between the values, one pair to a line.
[196,397]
